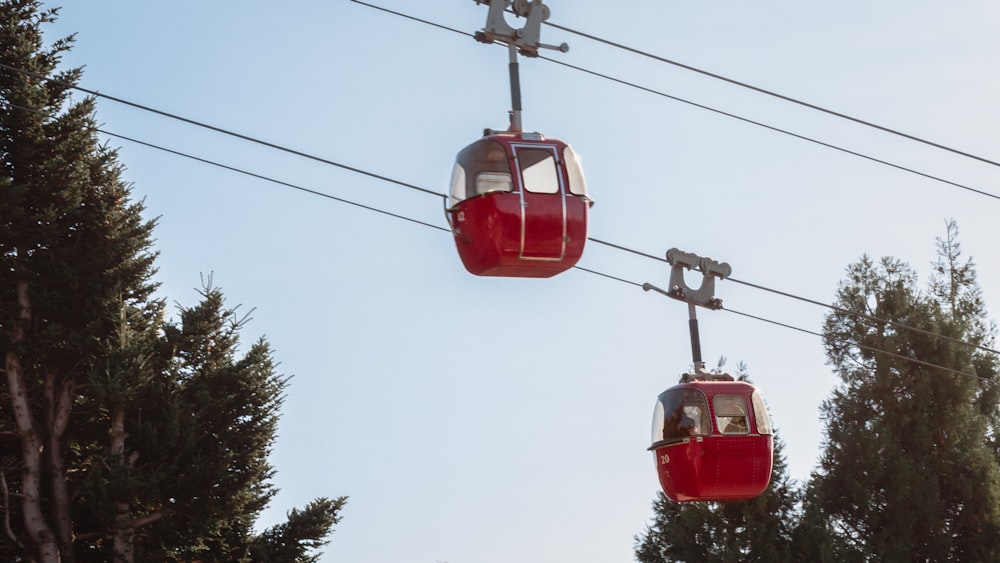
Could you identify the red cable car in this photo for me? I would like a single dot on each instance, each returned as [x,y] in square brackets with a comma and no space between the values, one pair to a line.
[713,439]
[518,206]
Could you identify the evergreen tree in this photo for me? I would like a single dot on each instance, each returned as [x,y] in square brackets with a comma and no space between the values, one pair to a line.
[71,250]
[757,529]
[122,436]
[908,472]
[954,287]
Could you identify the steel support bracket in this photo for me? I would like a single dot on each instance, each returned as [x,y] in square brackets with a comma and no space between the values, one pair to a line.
[704,295]
[528,38]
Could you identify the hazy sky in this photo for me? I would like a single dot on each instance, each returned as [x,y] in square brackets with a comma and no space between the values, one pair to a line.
[483,420]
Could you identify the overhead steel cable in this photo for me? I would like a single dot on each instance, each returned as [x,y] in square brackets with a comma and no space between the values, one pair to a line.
[439,228]
[214,128]
[705,107]
[609,276]
[775,129]
[437,194]
[588,270]
[272,180]
[595,272]
[771,93]
[722,78]
[862,346]
[813,301]
[626,249]
[872,318]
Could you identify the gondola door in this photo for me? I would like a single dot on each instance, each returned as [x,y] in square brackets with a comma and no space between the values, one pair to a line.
[543,203]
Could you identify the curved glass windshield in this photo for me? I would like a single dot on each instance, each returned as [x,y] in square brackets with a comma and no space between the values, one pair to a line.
[480,168]
[577,183]
[679,414]
[458,191]
[760,413]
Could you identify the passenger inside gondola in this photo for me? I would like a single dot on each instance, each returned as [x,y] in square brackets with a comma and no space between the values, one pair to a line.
[730,414]
[688,415]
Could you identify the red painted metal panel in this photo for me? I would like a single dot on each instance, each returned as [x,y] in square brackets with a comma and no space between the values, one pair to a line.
[519,233]
[715,466]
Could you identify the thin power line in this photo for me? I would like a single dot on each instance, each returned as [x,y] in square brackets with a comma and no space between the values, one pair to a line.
[717,77]
[861,346]
[771,93]
[432,192]
[609,276]
[626,249]
[740,118]
[218,129]
[775,129]
[588,270]
[708,108]
[895,324]
[862,315]
[273,180]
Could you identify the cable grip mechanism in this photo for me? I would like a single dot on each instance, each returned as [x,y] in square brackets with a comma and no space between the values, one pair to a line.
[704,295]
[527,39]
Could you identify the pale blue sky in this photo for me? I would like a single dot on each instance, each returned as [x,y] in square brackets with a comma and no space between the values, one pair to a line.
[496,420]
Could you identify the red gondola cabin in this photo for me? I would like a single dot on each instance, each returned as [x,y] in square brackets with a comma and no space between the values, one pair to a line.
[713,440]
[518,206]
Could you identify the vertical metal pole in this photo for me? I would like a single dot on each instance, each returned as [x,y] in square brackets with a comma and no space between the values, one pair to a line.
[515,90]
[695,338]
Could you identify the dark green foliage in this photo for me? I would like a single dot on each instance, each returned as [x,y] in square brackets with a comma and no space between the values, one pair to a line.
[813,540]
[131,437]
[304,530]
[200,421]
[909,471]
[73,252]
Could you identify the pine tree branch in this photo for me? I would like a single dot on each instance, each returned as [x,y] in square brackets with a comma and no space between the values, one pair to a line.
[150,518]
[133,524]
